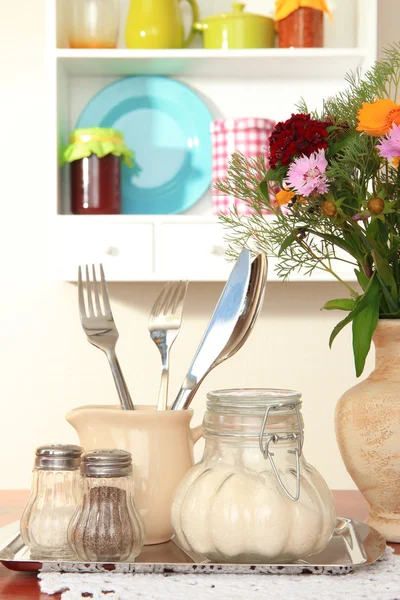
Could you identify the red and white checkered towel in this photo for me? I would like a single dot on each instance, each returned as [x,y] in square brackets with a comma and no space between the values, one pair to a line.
[249,136]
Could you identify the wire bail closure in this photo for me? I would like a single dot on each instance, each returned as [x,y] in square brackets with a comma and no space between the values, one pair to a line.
[275,438]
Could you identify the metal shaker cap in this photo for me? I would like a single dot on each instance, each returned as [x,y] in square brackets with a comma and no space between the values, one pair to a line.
[58,457]
[106,463]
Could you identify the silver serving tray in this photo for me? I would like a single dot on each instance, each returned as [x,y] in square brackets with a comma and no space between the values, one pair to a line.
[353,545]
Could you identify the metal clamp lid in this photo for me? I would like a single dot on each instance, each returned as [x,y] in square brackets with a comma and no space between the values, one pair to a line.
[106,463]
[275,438]
[58,457]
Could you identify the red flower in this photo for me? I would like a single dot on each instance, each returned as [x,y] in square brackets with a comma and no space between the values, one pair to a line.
[297,136]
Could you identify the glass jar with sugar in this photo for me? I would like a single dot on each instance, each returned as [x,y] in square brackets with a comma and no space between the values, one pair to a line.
[253,498]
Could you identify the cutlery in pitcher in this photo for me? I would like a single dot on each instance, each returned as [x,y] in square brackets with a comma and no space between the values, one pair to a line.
[164,325]
[99,326]
[231,306]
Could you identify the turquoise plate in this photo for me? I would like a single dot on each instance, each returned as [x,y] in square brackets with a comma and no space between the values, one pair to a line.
[168,128]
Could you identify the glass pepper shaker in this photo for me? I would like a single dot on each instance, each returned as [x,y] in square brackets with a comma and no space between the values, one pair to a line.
[106,526]
[53,500]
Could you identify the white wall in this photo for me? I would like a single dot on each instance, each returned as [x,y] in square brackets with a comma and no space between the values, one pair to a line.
[47,367]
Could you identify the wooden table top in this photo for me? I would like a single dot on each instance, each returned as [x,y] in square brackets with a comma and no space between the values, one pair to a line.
[24,586]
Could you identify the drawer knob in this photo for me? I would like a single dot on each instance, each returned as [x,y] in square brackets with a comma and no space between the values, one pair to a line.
[112,251]
[218,250]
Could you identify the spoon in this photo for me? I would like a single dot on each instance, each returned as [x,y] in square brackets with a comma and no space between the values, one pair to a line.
[254,301]
[249,311]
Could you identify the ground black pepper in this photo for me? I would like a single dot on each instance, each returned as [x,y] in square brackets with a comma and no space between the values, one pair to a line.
[104,530]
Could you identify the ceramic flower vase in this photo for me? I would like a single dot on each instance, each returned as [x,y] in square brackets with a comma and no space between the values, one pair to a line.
[367,424]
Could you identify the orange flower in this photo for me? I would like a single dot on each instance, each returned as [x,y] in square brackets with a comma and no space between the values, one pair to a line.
[377,118]
[284,197]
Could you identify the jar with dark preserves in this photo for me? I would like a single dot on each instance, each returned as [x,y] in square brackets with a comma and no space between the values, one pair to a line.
[300,23]
[95,156]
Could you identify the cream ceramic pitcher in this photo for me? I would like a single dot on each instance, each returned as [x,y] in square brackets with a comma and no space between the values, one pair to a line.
[157,24]
[161,444]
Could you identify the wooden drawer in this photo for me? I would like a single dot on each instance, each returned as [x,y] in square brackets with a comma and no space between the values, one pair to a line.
[191,251]
[125,250]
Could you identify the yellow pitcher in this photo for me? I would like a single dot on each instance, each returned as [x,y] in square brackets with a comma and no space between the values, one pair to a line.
[157,24]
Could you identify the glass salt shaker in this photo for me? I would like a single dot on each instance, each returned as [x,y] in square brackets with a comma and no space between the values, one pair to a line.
[106,526]
[53,500]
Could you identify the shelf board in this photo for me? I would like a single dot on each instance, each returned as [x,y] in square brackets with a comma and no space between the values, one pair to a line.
[135,219]
[253,63]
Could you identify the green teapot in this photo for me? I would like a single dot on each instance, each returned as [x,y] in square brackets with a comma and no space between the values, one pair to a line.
[237,29]
[157,24]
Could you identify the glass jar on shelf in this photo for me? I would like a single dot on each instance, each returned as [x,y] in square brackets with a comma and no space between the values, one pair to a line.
[106,526]
[95,155]
[253,498]
[93,23]
[53,500]
[300,23]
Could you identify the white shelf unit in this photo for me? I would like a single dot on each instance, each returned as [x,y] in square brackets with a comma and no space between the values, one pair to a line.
[262,83]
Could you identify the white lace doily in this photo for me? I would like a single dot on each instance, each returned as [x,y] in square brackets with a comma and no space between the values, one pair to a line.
[380,581]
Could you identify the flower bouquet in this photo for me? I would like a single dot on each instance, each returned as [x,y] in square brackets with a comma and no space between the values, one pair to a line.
[339,197]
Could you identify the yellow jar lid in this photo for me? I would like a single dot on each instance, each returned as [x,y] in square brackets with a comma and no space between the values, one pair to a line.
[100,141]
[283,8]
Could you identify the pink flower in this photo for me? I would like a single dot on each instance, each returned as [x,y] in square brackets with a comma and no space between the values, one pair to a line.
[306,175]
[362,216]
[389,146]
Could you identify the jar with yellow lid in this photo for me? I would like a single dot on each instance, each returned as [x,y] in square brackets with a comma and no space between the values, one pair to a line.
[300,23]
[95,155]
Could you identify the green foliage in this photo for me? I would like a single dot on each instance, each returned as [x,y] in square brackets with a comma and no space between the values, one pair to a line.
[381,81]
[339,304]
[305,237]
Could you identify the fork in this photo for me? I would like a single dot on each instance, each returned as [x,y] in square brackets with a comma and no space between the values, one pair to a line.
[100,327]
[164,325]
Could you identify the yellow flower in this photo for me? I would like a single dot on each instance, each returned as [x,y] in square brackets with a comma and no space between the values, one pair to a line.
[284,197]
[376,206]
[377,118]
[328,208]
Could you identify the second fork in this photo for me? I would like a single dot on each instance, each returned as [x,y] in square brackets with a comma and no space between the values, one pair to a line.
[164,326]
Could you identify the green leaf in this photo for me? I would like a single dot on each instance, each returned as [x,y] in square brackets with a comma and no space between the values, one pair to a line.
[364,325]
[383,231]
[338,328]
[362,279]
[264,190]
[337,146]
[395,315]
[386,274]
[377,235]
[277,174]
[373,289]
[339,304]
[391,303]
[288,241]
